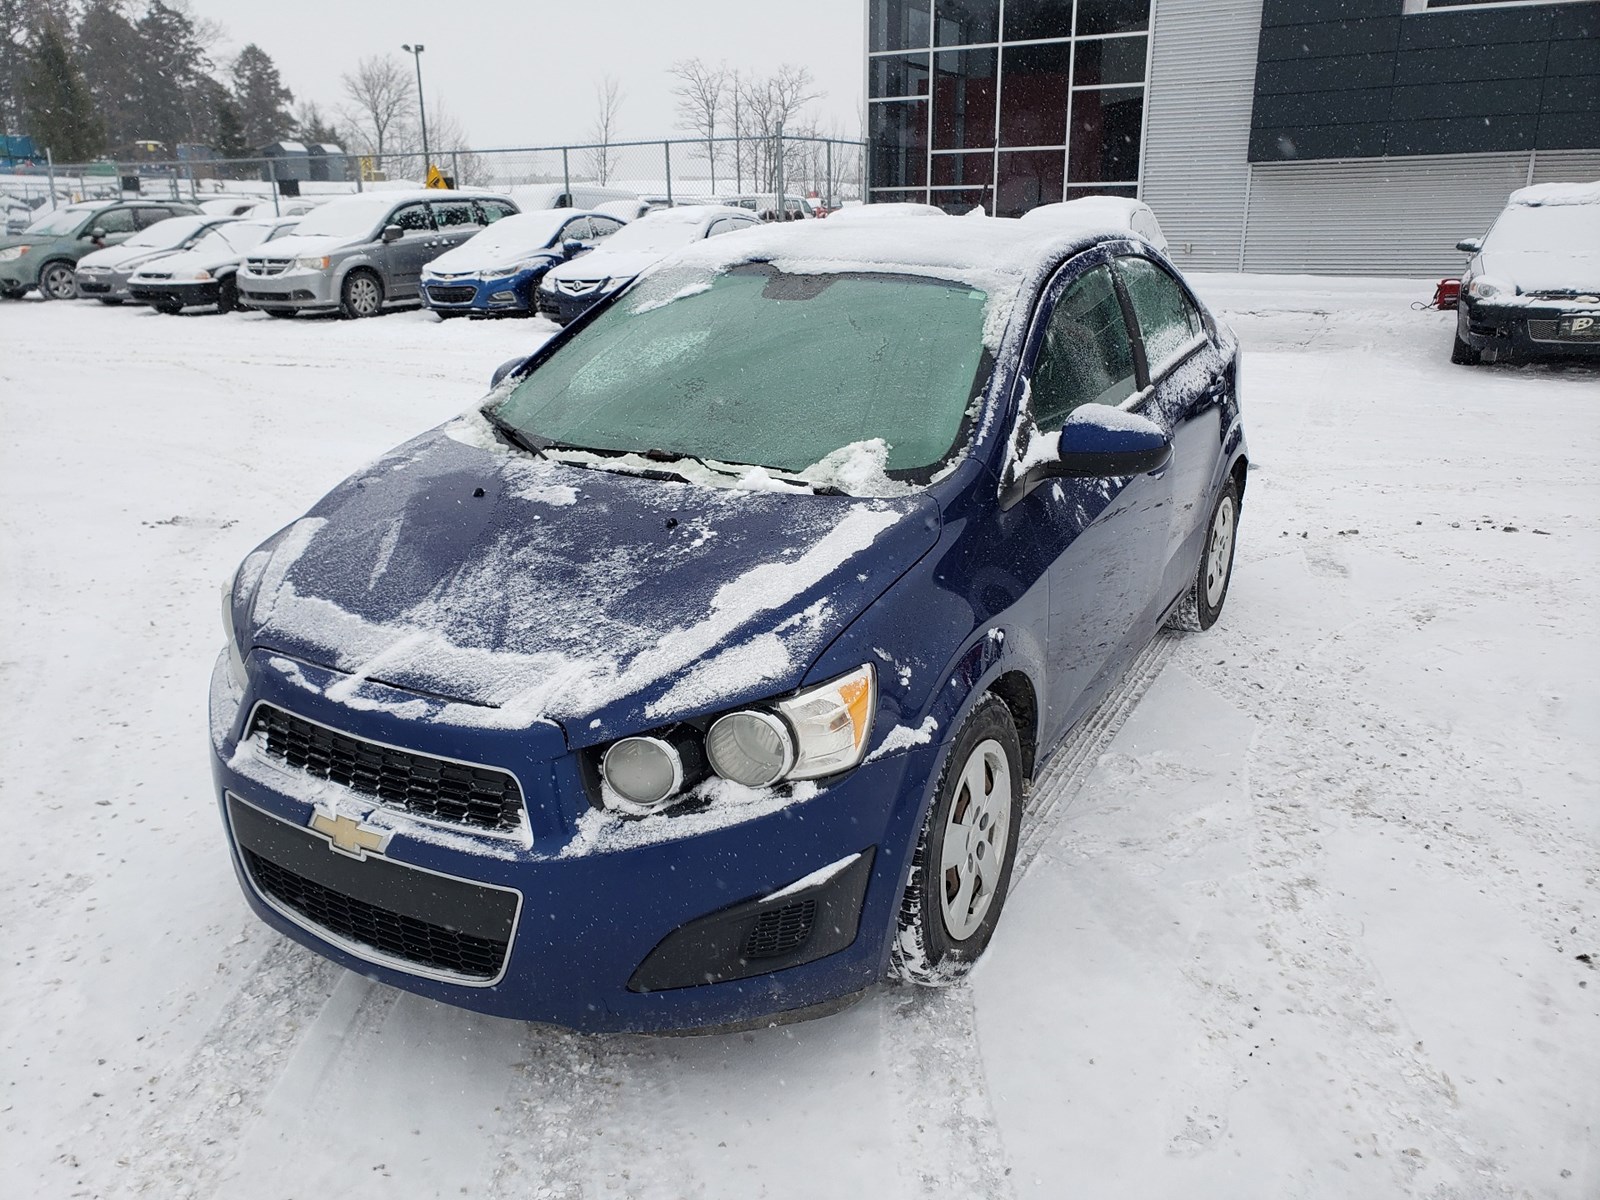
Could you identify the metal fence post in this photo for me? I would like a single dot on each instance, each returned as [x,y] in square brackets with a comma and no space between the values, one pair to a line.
[566,175]
[666,152]
[272,170]
[828,186]
[455,167]
[778,176]
[50,170]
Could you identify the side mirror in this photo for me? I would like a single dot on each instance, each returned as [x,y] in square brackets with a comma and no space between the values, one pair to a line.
[1469,245]
[1099,442]
[571,248]
[506,368]
[392,233]
[97,234]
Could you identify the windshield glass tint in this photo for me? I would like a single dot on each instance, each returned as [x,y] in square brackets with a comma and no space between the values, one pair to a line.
[1552,228]
[346,218]
[56,223]
[766,368]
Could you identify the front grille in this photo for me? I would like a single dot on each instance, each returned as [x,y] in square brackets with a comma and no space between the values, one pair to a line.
[394,934]
[779,931]
[1550,331]
[159,275]
[91,287]
[451,293]
[434,788]
[268,266]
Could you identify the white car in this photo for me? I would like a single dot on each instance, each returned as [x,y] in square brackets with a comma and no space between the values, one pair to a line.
[205,274]
[104,274]
[567,290]
[1118,212]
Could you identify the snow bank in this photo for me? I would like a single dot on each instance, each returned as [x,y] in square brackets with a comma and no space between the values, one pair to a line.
[1541,194]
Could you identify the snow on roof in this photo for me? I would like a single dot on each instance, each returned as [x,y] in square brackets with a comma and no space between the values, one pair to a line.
[1103,208]
[1558,193]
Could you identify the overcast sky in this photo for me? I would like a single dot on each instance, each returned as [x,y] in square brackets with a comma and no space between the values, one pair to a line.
[523,72]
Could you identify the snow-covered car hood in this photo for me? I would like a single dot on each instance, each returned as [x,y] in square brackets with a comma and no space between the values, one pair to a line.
[123,256]
[1563,270]
[601,264]
[519,588]
[309,245]
[186,262]
[466,259]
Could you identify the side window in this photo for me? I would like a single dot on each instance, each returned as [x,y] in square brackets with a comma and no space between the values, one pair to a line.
[116,220]
[604,227]
[146,217]
[577,230]
[1086,356]
[722,226]
[1167,320]
[412,217]
[493,210]
[454,214]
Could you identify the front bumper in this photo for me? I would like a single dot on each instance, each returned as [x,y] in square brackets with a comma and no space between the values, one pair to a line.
[294,290]
[169,292]
[1529,330]
[562,308]
[104,285]
[19,273]
[503,294]
[609,914]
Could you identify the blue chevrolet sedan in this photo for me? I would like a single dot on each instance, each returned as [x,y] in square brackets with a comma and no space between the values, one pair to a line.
[695,677]
[494,273]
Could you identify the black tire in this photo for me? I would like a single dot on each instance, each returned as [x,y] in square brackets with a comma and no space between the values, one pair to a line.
[950,909]
[1202,603]
[170,308]
[361,296]
[56,281]
[109,301]
[227,294]
[1463,354]
[282,314]
[13,293]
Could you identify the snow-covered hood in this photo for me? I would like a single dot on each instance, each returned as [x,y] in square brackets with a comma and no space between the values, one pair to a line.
[307,245]
[121,258]
[519,588]
[1532,271]
[187,262]
[467,259]
[620,265]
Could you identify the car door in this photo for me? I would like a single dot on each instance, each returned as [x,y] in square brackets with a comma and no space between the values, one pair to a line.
[1105,539]
[404,258]
[1190,382]
[115,225]
[454,221]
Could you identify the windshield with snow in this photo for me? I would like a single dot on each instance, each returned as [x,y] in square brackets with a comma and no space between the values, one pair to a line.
[1564,229]
[346,218]
[761,367]
[521,233]
[59,222]
[647,233]
[174,231]
[232,239]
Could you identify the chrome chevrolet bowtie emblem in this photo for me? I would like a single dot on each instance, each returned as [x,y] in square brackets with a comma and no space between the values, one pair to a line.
[348,836]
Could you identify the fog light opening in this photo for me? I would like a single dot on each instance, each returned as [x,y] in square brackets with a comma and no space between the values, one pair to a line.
[641,775]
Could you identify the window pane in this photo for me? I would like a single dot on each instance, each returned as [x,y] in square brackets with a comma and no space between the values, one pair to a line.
[1027,179]
[963,99]
[891,197]
[960,201]
[1130,190]
[1112,16]
[965,22]
[953,170]
[412,217]
[898,130]
[898,75]
[1109,60]
[1167,320]
[1033,106]
[1086,357]
[454,214]
[1026,19]
[899,24]
[1106,126]
[117,220]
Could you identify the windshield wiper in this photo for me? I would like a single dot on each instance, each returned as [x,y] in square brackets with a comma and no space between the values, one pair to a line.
[519,439]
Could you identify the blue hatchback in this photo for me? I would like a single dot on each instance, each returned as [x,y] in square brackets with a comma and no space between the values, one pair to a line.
[494,273]
[695,678]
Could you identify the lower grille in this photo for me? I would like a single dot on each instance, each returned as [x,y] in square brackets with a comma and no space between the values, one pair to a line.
[93,288]
[779,931]
[1550,331]
[452,293]
[433,788]
[548,307]
[398,936]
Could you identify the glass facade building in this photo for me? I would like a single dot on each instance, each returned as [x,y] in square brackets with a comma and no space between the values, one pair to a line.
[1005,104]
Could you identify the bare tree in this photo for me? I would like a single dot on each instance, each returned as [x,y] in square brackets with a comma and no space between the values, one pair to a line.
[700,91]
[768,107]
[608,95]
[381,97]
[450,143]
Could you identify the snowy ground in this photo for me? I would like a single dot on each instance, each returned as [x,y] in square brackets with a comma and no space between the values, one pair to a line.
[1303,915]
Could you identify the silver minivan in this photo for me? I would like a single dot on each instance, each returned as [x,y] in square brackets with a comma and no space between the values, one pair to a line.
[359,254]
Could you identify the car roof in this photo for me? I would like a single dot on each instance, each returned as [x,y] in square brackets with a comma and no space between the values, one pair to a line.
[411,195]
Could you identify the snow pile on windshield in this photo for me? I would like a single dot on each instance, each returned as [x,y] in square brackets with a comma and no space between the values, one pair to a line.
[1541,194]
[859,469]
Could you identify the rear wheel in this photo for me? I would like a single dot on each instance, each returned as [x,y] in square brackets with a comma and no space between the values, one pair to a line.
[961,870]
[280,313]
[56,281]
[170,307]
[362,295]
[1202,603]
[110,301]
[227,294]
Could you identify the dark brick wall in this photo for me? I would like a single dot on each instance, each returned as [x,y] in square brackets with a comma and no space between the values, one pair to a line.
[1357,79]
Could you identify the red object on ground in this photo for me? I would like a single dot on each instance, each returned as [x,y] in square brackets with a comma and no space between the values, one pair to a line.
[1447,295]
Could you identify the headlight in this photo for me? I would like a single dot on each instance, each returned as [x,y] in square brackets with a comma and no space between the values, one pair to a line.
[235,658]
[314,264]
[641,774]
[13,252]
[201,276]
[1482,288]
[752,748]
[831,723]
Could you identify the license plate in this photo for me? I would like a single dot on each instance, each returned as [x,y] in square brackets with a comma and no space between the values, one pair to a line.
[1581,328]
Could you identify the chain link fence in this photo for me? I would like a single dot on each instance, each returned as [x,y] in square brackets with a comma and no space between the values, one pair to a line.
[672,171]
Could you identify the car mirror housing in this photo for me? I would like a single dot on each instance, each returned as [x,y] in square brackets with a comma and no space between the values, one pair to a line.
[96,234]
[1100,442]
[504,369]
[392,233]
[1470,245]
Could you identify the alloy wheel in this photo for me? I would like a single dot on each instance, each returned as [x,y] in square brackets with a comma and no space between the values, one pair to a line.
[57,282]
[365,299]
[1219,555]
[975,838]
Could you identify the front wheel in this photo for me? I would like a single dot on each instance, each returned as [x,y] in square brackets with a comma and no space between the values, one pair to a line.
[1202,603]
[110,301]
[961,870]
[56,282]
[227,294]
[362,295]
[1463,354]
[168,307]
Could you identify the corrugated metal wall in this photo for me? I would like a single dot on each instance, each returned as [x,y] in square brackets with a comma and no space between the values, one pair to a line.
[1387,216]
[1197,126]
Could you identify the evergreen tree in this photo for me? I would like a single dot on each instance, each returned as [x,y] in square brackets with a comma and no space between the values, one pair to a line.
[57,107]
[315,128]
[228,140]
[111,54]
[169,69]
[262,99]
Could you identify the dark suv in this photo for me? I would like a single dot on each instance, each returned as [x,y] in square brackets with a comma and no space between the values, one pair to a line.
[46,254]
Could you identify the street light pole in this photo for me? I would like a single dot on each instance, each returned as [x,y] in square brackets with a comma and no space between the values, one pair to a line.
[416,54]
